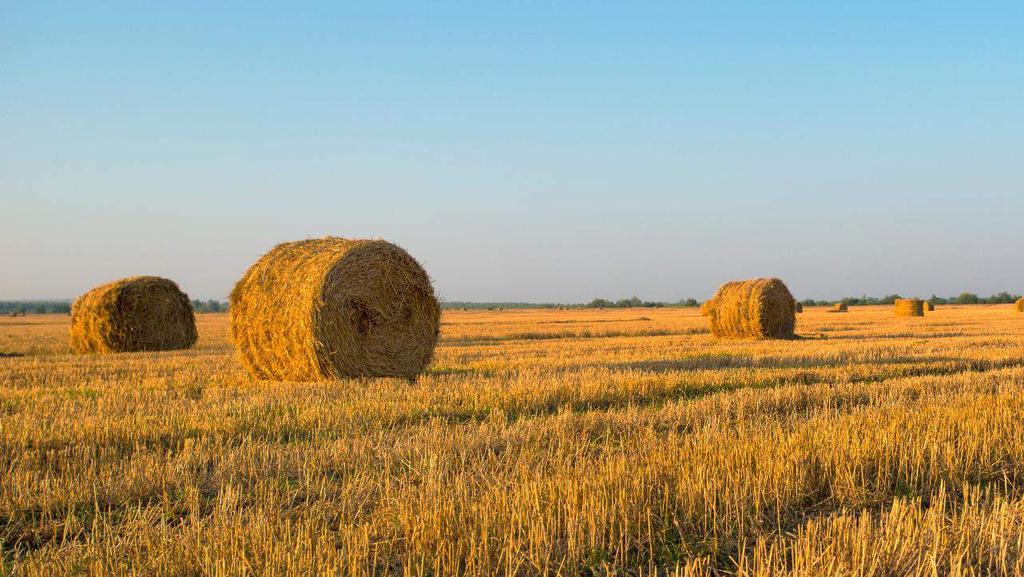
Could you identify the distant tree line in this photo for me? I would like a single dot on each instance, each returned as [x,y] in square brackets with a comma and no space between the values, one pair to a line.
[635,302]
[963,299]
[64,307]
[498,305]
[34,307]
[210,306]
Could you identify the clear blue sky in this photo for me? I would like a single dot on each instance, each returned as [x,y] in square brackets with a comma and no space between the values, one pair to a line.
[521,151]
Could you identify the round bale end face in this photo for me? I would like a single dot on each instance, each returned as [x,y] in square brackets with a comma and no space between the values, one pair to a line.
[758,308]
[142,313]
[335,308]
[378,315]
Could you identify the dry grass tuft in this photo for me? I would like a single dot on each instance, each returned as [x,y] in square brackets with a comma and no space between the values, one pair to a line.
[334,308]
[757,308]
[909,308]
[140,313]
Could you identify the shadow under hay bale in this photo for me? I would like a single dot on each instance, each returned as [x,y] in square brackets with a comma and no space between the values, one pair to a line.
[758,308]
[335,308]
[141,313]
[909,308]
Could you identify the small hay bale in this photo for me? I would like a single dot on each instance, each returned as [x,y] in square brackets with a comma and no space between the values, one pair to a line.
[758,308]
[1020,305]
[797,307]
[334,308]
[140,313]
[840,308]
[909,308]
[929,306]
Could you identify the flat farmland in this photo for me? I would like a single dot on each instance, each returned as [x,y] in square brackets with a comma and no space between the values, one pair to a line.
[539,442]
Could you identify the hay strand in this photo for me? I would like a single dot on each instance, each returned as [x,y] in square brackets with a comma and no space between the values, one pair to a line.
[758,308]
[335,308]
[141,313]
[909,308]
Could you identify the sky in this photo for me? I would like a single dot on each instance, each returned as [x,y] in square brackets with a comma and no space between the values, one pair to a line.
[521,151]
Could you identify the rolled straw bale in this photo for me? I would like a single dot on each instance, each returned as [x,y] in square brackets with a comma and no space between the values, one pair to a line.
[140,313]
[1020,305]
[757,308]
[335,308]
[909,308]
[840,308]
[929,306]
[797,307]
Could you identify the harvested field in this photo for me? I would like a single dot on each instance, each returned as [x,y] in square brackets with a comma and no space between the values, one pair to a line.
[573,442]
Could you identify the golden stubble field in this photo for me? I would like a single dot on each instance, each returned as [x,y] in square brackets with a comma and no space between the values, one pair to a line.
[567,442]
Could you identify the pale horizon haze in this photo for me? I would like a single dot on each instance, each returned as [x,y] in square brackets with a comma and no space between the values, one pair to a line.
[540,152]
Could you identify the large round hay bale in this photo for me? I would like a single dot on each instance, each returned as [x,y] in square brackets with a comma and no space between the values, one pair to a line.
[909,308]
[840,308]
[757,308]
[335,308]
[140,313]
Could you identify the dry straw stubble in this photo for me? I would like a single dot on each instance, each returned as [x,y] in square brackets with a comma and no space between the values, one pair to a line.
[757,308]
[140,313]
[335,308]
[909,308]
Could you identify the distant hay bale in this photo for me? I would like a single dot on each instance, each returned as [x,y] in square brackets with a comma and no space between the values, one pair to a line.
[334,308]
[797,307]
[140,313]
[909,308]
[929,306]
[757,308]
[1020,305]
[840,308]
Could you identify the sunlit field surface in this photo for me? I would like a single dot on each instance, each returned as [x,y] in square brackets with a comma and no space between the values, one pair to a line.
[567,442]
